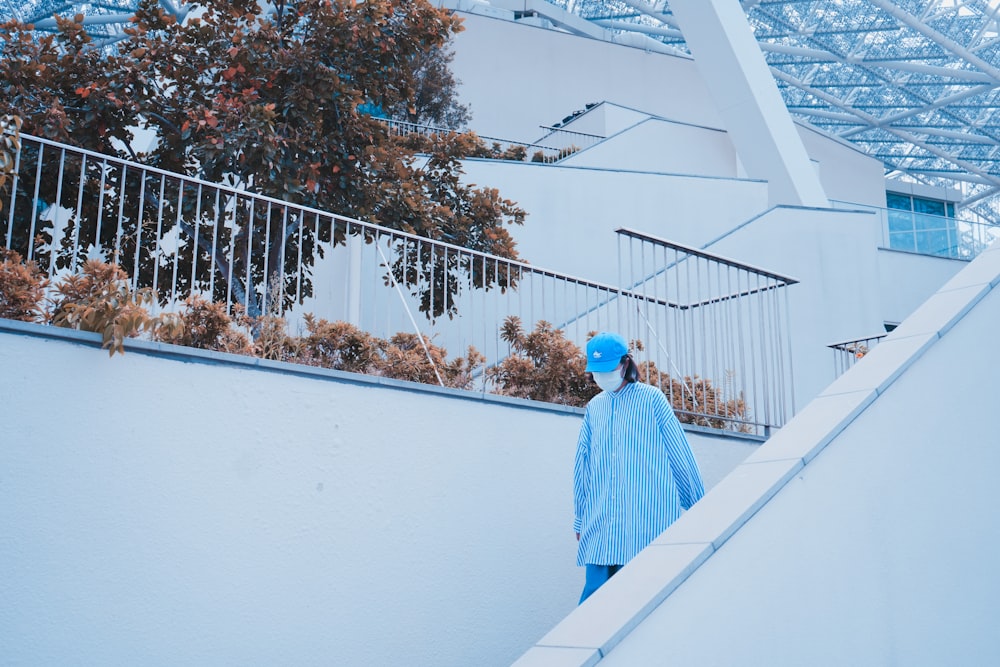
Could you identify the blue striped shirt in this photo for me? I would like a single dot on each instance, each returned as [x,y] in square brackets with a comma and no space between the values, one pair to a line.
[634,471]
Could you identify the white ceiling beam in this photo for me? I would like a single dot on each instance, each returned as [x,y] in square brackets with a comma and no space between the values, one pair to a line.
[945,42]
[730,60]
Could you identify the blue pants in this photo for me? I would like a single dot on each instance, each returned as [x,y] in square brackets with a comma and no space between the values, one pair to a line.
[596,576]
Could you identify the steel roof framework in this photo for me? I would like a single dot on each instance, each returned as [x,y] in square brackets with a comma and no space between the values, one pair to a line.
[914,83]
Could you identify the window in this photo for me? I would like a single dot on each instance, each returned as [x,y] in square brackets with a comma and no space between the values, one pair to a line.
[918,224]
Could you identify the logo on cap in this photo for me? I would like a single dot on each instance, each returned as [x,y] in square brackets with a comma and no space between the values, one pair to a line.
[597,355]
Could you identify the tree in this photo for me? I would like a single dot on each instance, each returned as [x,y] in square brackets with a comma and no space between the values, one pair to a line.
[268,101]
[435,102]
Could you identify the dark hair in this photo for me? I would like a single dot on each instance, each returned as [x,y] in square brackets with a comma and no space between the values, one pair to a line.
[631,369]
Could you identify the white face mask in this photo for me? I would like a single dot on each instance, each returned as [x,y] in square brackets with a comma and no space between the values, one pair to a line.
[609,381]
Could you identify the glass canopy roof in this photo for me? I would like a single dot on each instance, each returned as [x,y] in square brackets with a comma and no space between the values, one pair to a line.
[914,83]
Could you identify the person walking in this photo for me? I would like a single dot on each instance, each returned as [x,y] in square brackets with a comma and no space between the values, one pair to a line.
[634,469]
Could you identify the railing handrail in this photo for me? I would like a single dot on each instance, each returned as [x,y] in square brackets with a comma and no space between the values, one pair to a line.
[205,257]
[887,209]
[551,273]
[315,211]
[582,134]
[843,346]
[444,130]
[704,254]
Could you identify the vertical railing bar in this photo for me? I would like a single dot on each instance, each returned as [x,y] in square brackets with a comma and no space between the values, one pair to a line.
[430,309]
[265,306]
[100,209]
[121,219]
[56,206]
[762,320]
[13,194]
[714,352]
[79,210]
[281,259]
[249,286]
[140,208]
[740,306]
[299,268]
[233,203]
[34,216]
[196,234]
[216,222]
[159,233]
[177,246]
[778,355]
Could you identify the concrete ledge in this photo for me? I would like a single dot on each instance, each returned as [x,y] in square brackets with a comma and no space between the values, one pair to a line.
[557,656]
[195,355]
[814,427]
[882,365]
[729,505]
[612,612]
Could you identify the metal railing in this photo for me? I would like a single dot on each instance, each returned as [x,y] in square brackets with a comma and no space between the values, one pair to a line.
[715,326]
[928,234]
[720,325]
[850,352]
[500,149]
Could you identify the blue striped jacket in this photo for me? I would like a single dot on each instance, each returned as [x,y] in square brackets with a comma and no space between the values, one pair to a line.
[633,473]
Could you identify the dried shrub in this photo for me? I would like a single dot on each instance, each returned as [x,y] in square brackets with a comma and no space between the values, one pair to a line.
[271,339]
[405,358]
[543,366]
[100,299]
[22,287]
[698,401]
[340,346]
[206,325]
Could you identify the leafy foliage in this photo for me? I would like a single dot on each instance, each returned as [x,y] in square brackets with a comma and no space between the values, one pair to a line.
[340,346]
[435,100]
[22,287]
[100,299]
[206,325]
[266,101]
[405,358]
[543,366]
[10,144]
[697,400]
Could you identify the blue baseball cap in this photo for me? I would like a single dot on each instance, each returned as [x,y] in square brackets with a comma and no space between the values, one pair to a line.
[605,352]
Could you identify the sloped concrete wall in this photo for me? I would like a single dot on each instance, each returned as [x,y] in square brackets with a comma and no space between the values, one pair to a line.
[863,533]
[882,549]
[177,507]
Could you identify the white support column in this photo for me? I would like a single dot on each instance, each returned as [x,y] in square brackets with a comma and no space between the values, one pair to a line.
[736,74]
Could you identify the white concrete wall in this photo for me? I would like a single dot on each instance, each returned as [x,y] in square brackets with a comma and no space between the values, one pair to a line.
[665,147]
[907,279]
[182,510]
[833,255]
[573,212]
[862,533]
[847,174]
[551,74]
[882,549]
[516,77]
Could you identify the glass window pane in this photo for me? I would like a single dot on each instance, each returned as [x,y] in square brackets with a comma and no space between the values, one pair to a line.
[900,221]
[928,206]
[901,202]
[933,243]
[928,222]
[902,241]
